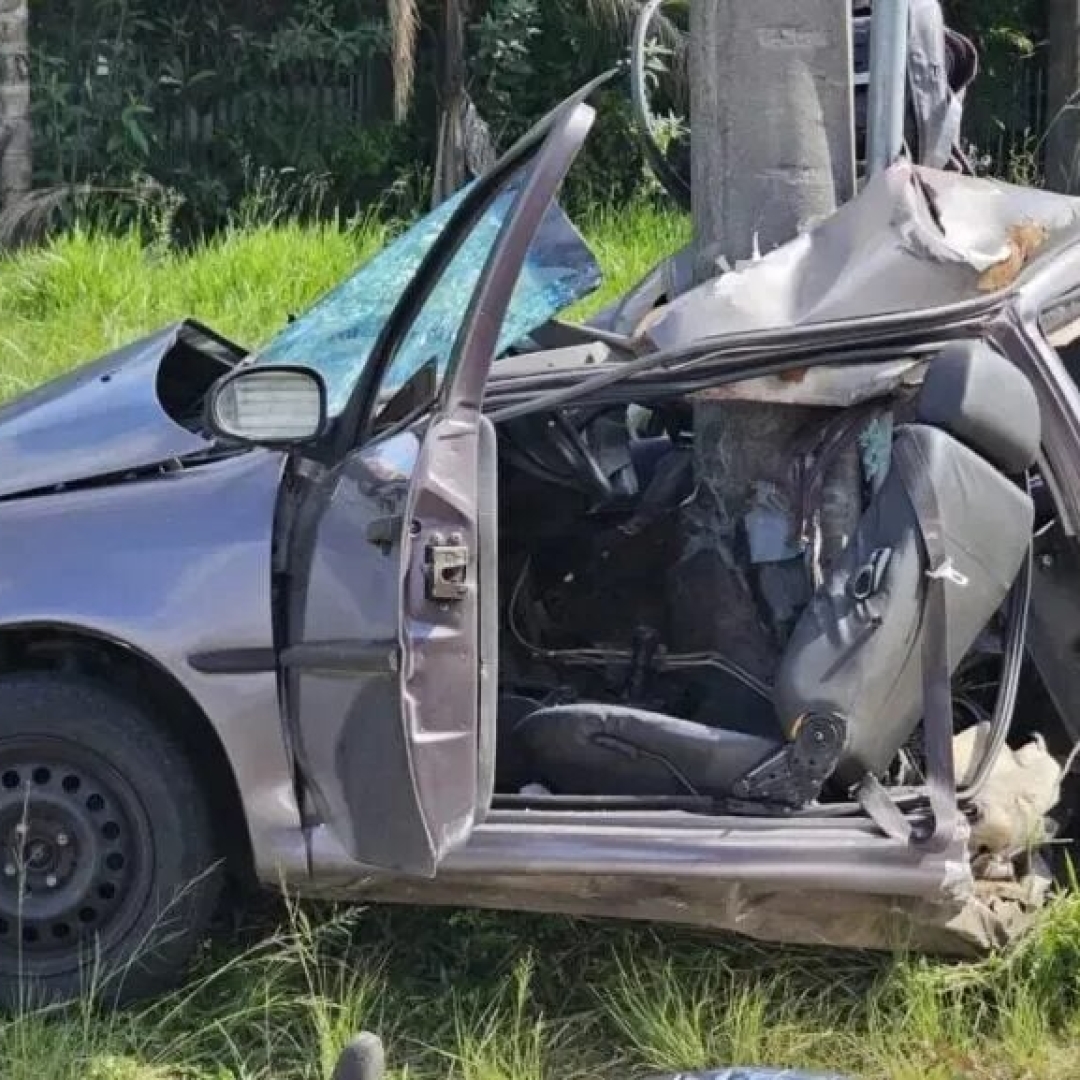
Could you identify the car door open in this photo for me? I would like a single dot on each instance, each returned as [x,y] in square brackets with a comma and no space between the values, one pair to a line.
[392,609]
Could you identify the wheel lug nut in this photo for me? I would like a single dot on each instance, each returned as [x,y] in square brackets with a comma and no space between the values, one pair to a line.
[62,839]
[20,829]
[51,881]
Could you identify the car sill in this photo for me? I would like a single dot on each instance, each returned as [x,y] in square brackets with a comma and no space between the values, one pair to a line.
[847,856]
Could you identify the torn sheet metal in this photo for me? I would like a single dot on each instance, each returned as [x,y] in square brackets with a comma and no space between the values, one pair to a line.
[914,239]
[994,915]
[828,385]
[109,417]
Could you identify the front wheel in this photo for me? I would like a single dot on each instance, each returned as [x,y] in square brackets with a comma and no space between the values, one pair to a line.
[108,878]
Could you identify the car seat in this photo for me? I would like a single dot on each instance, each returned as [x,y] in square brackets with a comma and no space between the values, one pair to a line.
[850,688]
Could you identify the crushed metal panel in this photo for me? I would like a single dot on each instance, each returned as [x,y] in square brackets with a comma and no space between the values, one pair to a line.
[992,916]
[913,240]
[838,386]
[102,418]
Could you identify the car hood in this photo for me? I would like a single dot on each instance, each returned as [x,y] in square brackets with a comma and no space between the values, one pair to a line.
[133,408]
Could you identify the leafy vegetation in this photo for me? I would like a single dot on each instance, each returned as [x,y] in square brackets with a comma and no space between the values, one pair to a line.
[87,291]
[1006,111]
[204,103]
[204,98]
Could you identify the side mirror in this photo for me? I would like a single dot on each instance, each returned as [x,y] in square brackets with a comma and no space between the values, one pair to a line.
[271,405]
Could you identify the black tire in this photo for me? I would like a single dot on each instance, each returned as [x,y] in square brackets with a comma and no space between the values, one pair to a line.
[108,871]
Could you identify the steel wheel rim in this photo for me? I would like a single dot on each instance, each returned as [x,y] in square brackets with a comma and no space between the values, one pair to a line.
[76,853]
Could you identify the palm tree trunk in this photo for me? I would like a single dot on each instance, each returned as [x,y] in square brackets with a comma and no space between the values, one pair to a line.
[404,29]
[16,161]
[450,167]
[465,147]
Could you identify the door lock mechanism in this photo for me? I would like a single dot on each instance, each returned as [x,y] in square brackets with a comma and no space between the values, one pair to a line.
[446,569]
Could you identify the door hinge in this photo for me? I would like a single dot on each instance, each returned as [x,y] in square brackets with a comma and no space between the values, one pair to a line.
[446,568]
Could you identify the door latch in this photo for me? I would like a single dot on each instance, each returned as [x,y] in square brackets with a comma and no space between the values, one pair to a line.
[446,567]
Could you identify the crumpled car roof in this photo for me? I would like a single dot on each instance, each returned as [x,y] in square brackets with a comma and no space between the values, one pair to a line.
[914,239]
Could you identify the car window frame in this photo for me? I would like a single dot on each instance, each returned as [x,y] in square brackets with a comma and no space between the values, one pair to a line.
[353,427]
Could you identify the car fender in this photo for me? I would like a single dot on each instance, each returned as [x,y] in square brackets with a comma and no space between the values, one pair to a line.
[176,567]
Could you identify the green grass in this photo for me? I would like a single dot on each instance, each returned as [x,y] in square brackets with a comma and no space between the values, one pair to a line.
[473,996]
[82,294]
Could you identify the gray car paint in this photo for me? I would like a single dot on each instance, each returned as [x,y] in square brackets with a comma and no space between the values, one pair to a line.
[102,418]
[914,240]
[577,862]
[205,580]
[169,567]
[405,792]
[181,565]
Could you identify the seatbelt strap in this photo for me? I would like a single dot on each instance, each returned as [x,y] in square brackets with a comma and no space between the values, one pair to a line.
[937,678]
[882,810]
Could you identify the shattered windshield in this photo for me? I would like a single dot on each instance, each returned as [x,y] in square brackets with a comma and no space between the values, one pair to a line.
[336,335]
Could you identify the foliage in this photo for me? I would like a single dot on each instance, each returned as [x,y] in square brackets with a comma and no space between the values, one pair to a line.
[532,54]
[1005,114]
[207,101]
[201,98]
[503,41]
[1007,27]
[89,290]
[469,996]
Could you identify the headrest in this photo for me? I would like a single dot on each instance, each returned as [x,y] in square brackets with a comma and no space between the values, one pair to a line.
[985,401]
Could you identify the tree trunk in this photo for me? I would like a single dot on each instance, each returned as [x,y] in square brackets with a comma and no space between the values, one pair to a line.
[16,163]
[450,166]
[465,146]
[1063,138]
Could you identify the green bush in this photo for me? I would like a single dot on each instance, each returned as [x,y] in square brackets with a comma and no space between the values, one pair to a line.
[283,108]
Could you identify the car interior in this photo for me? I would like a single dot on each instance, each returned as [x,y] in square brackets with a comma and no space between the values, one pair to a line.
[684,626]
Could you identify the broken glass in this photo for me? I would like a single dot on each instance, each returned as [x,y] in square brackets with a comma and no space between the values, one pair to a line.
[336,335]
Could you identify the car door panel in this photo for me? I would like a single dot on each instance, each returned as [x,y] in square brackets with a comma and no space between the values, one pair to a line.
[349,677]
[392,636]
[344,617]
[440,678]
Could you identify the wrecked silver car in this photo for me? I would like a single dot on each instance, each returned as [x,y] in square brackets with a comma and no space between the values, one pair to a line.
[751,605]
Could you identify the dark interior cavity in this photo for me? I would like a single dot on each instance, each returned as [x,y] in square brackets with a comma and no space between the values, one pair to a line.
[680,623]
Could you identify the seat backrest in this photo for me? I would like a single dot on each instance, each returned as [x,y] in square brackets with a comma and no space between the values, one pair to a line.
[856,652]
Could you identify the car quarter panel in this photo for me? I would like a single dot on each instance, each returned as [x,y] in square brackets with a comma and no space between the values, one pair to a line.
[172,567]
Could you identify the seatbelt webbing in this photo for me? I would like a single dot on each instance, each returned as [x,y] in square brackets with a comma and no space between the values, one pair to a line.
[936,675]
[875,799]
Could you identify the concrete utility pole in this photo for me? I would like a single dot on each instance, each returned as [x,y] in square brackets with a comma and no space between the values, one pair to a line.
[772,144]
[772,151]
[1063,138]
